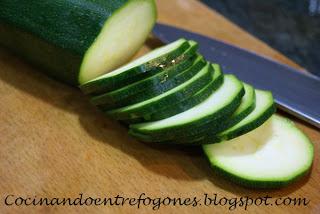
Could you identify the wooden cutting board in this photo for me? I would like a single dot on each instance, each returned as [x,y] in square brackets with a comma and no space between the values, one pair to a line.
[53,143]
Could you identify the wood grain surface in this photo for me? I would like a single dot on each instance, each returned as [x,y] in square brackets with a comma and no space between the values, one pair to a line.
[53,143]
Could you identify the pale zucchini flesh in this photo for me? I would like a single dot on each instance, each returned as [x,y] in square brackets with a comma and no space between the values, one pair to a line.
[273,155]
[119,39]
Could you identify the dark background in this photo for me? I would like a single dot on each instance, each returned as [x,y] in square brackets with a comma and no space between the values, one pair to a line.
[290,26]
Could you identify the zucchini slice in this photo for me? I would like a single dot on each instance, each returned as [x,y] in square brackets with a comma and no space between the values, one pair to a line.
[76,40]
[207,133]
[190,102]
[146,89]
[220,104]
[273,155]
[202,78]
[138,69]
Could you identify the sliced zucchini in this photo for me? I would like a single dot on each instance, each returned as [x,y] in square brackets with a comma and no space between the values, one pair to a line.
[273,155]
[76,40]
[143,67]
[202,78]
[207,133]
[126,96]
[220,104]
[197,98]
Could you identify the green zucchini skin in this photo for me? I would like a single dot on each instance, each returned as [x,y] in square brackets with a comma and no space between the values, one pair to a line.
[54,35]
[56,62]
[185,104]
[178,135]
[139,72]
[189,102]
[172,131]
[208,132]
[152,86]
[202,78]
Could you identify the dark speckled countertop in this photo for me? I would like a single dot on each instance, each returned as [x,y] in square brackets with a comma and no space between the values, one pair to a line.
[290,26]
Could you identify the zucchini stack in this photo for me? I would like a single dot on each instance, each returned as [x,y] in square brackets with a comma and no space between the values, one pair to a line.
[173,95]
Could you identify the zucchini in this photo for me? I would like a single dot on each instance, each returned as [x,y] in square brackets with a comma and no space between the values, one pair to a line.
[273,155]
[216,107]
[76,40]
[145,66]
[207,134]
[150,87]
[189,102]
[202,78]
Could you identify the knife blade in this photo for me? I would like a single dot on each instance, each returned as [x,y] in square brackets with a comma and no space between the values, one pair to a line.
[295,92]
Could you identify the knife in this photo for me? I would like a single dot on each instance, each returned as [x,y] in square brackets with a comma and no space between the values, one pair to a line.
[295,92]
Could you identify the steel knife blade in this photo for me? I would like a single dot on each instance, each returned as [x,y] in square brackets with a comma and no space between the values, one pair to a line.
[296,92]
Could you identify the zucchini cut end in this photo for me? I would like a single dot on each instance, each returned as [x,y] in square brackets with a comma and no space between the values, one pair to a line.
[121,37]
